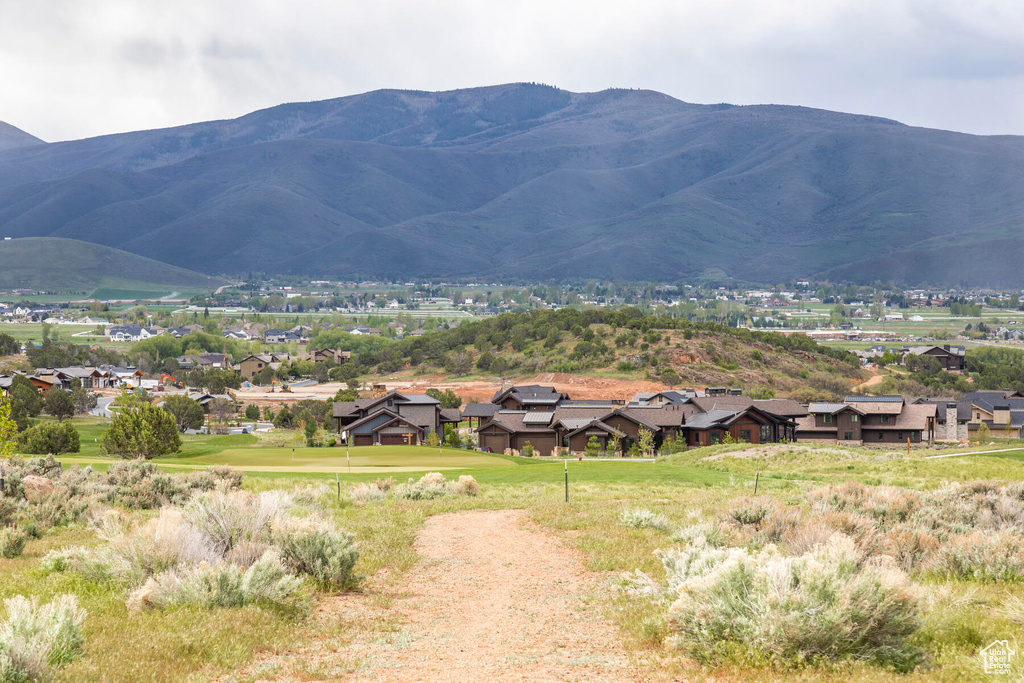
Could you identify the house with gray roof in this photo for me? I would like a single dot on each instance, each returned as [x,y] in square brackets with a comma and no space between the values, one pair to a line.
[392,419]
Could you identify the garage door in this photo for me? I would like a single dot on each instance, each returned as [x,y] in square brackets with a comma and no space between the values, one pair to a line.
[495,443]
[397,439]
[363,440]
[542,445]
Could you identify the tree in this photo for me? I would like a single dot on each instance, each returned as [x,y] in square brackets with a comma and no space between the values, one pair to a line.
[527,450]
[613,445]
[433,439]
[310,430]
[142,431]
[83,399]
[59,404]
[283,419]
[268,414]
[593,447]
[222,410]
[984,433]
[645,441]
[26,400]
[458,363]
[252,412]
[8,428]
[187,413]
[447,398]
[49,438]
[346,395]
[451,437]
[670,377]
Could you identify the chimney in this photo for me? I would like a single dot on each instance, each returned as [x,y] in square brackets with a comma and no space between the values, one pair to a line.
[945,346]
[1001,415]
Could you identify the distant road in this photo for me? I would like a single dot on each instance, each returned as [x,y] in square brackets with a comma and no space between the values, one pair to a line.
[101,407]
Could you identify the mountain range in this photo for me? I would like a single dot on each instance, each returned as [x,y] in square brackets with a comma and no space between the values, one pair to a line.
[530,182]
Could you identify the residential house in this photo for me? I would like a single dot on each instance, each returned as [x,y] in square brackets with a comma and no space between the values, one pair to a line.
[950,357]
[131,333]
[282,337]
[1001,411]
[335,356]
[249,366]
[204,361]
[90,378]
[237,333]
[393,418]
[553,423]
[869,419]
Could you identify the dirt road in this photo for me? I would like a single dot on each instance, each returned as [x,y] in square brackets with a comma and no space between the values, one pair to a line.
[494,598]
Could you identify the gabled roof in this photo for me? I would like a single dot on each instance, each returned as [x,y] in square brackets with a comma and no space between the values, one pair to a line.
[450,415]
[711,419]
[512,421]
[831,408]
[597,424]
[479,409]
[886,398]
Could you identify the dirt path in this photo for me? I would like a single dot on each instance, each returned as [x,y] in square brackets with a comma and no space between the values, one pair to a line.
[493,599]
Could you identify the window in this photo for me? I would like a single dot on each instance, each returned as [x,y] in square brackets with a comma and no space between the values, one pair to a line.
[828,419]
[899,435]
[715,437]
[854,417]
[881,435]
[848,436]
[977,416]
[745,435]
[885,419]
[766,434]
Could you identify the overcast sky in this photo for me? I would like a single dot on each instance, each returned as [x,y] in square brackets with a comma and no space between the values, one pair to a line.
[78,68]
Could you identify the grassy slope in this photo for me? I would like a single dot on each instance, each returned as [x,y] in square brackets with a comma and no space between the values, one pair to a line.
[54,263]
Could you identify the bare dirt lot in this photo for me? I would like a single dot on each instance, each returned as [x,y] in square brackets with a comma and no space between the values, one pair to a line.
[494,598]
[578,387]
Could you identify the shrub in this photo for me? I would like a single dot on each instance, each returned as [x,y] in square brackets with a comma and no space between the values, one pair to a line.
[527,450]
[640,518]
[990,556]
[12,542]
[220,585]
[35,638]
[228,518]
[751,510]
[317,550]
[160,544]
[824,606]
[431,485]
[466,486]
[365,492]
[49,437]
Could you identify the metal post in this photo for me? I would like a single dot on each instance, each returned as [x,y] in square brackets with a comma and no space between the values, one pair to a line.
[338,479]
[757,476]
[566,480]
[349,461]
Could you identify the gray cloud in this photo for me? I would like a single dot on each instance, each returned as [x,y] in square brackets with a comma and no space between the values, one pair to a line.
[75,68]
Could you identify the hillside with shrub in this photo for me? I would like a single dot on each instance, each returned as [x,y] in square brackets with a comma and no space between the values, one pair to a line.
[624,344]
